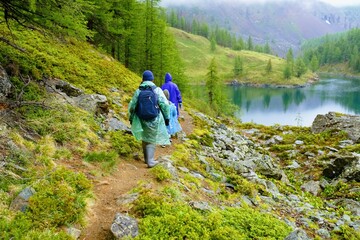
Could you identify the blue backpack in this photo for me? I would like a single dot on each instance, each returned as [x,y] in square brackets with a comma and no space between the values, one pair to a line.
[147,106]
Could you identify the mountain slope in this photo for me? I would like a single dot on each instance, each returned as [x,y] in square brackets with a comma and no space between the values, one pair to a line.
[196,54]
[283,24]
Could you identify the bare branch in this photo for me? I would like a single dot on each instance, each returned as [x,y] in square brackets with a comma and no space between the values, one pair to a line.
[12,44]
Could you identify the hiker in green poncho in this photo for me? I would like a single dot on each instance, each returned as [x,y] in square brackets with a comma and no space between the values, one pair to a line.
[150,130]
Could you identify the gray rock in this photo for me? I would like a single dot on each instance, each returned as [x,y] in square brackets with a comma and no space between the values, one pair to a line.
[294,165]
[336,166]
[67,88]
[124,226]
[312,187]
[166,163]
[21,202]
[5,84]
[297,234]
[204,206]
[323,233]
[341,122]
[73,232]
[127,198]
[114,124]
[350,205]
[94,103]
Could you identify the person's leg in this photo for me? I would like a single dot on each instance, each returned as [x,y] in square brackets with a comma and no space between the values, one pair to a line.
[149,153]
[144,151]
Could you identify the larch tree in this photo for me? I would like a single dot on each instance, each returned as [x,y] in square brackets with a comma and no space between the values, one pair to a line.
[268,68]
[212,82]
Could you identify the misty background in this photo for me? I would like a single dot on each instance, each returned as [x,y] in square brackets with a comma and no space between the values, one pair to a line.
[283,24]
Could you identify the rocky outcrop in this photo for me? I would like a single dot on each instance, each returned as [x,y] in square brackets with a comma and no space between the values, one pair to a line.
[340,122]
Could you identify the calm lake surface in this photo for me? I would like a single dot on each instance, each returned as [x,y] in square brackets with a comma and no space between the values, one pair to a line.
[296,107]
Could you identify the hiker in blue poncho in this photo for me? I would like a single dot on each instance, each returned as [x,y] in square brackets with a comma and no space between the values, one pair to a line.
[151,132]
[175,94]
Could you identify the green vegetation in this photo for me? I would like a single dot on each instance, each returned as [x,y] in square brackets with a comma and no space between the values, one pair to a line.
[163,217]
[197,57]
[337,53]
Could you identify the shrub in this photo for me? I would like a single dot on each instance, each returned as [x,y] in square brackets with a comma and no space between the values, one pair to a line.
[165,218]
[124,144]
[161,174]
[21,227]
[59,199]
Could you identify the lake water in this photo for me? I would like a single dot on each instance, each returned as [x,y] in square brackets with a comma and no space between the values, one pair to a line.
[296,107]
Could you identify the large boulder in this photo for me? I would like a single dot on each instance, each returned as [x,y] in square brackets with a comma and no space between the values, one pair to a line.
[341,122]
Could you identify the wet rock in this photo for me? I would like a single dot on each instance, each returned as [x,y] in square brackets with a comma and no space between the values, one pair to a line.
[124,226]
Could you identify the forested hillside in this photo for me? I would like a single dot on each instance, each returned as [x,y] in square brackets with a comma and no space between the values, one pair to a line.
[133,32]
[340,49]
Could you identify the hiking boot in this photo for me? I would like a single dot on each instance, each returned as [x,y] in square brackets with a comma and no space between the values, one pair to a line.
[152,164]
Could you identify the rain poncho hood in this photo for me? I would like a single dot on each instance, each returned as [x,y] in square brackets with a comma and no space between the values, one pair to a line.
[153,131]
[168,77]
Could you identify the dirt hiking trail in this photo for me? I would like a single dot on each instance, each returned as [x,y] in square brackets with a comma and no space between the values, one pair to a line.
[127,175]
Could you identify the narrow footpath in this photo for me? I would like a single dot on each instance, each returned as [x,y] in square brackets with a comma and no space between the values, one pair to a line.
[108,189]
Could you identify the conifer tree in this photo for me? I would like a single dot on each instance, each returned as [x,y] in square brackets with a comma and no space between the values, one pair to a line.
[268,66]
[287,71]
[212,82]
[250,45]
[213,43]
[299,68]
[238,66]
[314,63]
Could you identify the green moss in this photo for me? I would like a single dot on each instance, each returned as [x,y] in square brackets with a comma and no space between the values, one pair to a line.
[124,144]
[342,190]
[21,227]
[161,217]
[60,199]
[345,233]
[203,136]
[161,174]
[243,186]
[27,89]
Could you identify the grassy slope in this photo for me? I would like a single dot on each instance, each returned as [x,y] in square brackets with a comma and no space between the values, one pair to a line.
[68,59]
[196,53]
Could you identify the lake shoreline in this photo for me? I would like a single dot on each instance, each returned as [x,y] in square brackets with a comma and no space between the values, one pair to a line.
[310,81]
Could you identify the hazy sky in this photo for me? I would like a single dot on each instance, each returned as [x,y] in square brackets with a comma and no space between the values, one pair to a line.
[332,2]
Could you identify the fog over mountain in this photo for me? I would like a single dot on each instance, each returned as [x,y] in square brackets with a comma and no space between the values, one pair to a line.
[283,24]
[337,3]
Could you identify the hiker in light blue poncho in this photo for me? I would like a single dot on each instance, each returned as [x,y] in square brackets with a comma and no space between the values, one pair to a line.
[151,132]
[174,125]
